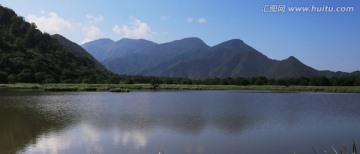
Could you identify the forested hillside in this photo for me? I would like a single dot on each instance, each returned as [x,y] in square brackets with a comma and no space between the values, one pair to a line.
[28,55]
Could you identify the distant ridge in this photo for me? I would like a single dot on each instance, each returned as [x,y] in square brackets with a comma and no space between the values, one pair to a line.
[192,58]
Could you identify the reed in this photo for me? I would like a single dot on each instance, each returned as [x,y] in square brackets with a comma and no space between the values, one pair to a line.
[342,150]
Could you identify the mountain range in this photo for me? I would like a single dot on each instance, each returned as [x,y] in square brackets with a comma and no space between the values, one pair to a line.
[29,55]
[192,58]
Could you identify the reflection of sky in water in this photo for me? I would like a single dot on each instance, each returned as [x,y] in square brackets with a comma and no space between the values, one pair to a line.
[186,122]
[84,138]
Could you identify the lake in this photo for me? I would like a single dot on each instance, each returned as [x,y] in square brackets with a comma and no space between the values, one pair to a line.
[177,122]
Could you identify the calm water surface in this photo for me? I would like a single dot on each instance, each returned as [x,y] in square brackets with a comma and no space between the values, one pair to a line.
[176,122]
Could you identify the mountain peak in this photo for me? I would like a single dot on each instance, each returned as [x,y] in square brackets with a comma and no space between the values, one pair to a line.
[292,58]
[106,39]
[235,43]
[193,40]
[129,40]
[102,40]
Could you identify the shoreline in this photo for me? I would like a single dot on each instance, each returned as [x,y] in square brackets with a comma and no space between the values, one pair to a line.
[128,87]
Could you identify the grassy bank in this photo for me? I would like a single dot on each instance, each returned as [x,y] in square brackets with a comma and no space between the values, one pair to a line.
[127,87]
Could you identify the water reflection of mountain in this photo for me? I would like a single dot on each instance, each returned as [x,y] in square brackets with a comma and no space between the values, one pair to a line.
[189,123]
[183,117]
[191,113]
[22,121]
[19,127]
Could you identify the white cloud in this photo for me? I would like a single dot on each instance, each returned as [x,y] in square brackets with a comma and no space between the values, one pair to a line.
[90,134]
[135,29]
[165,17]
[84,136]
[50,23]
[190,20]
[95,19]
[50,144]
[136,138]
[117,29]
[91,33]
[199,20]
[54,24]
[202,20]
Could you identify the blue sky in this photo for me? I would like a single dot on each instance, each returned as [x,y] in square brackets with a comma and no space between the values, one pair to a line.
[322,40]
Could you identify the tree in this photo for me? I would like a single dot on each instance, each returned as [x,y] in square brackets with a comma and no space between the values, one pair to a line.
[3,77]
[241,81]
[155,83]
[40,76]
[49,80]
[227,81]
[89,79]
[259,80]
[304,81]
[26,76]
[12,78]
[324,81]
[282,82]
[357,81]
[346,81]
